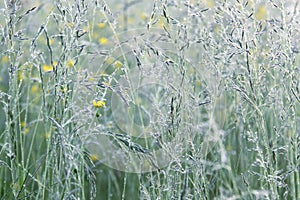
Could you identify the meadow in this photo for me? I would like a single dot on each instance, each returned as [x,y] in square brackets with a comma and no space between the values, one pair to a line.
[139,99]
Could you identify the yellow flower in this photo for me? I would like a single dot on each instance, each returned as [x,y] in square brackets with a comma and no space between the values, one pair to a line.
[21,75]
[98,104]
[118,64]
[261,13]
[23,124]
[34,89]
[4,59]
[210,3]
[24,128]
[94,157]
[101,25]
[70,63]
[47,135]
[47,68]
[103,40]
[26,131]
[51,41]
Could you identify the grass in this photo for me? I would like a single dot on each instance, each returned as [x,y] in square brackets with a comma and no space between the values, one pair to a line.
[149,99]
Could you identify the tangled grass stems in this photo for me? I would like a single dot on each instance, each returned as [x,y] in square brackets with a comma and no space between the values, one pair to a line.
[202,94]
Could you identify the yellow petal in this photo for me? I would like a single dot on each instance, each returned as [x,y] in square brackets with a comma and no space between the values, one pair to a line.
[118,64]
[103,40]
[210,3]
[261,13]
[98,104]
[70,63]
[4,59]
[94,157]
[34,89]
[47,68]
[101,25]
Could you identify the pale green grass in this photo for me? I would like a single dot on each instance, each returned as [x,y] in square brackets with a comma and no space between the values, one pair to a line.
[228,116]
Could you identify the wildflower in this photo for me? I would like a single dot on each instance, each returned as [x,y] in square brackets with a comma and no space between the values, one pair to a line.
[70,63]
[261,13]
[118,64]
[25,131]
[101,25]
[51,41]
[34,89]
[47,68]
[21,75]
[98,104]
[24,128]
[94,157]
[47,135]
[103,40]
[4,59]
[210,3]
[23,124]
